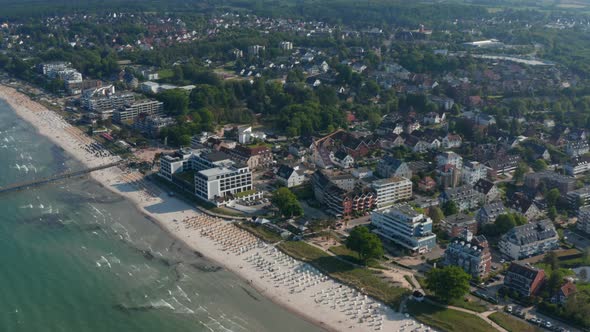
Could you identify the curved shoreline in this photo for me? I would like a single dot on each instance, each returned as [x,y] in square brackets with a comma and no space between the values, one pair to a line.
[167,212]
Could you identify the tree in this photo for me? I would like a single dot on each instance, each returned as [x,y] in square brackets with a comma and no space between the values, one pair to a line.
[520,172]
[539,165]
[175,101]
[448,283]
[552,196]
[552,213]
[367,244]
[287,202]
[552,260]
[450,208]
[436,214]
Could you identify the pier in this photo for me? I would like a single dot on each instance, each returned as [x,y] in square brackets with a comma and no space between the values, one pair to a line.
[55,178]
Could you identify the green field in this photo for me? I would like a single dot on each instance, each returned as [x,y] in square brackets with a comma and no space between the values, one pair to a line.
[512,324]
[447,319]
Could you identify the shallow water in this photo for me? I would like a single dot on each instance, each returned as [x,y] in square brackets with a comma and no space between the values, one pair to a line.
[76,257]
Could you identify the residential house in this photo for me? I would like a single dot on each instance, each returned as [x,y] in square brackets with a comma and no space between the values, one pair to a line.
[488,189]
[448,176]
[564,292]
[576,148]
[524,279]
[471,253]
[455,224]
[426,184]
[489,212]
[579,198]
[577,166]
[257,157]
[290,176]
[583,223]
[551,179]
[524,206]
[339,197]
[465,197]
[390,166]
[434,118]
[342,159]
[452,141]
[449,158]
[528,240]
[502,165]
[473,171]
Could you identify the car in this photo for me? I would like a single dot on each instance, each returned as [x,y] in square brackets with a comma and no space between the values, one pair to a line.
[502,261]
[547,324]
[509,309]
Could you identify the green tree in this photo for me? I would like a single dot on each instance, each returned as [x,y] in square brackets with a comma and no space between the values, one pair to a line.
[175,101]
[520,172]
[539,165]
[367,244]
[287,202]
[552,196]
[552,213]
[436,214]
[448,283]
[449,208]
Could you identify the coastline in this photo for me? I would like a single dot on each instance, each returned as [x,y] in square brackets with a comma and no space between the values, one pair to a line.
[171,213]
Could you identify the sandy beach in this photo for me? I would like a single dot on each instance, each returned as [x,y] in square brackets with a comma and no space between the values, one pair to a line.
[292,284]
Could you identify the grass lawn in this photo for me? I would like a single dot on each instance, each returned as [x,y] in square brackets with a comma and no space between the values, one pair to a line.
[260,231]
[368,281]
[473,304]
[352,256]
[447,319]
[165,73]
[513,324]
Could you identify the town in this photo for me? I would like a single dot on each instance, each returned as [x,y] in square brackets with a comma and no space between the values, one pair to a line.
[430,165]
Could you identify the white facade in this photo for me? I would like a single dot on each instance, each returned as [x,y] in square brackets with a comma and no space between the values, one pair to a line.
[451,158]
[473,171]
[392,190]
[406,227]
[219,182]
[529,240]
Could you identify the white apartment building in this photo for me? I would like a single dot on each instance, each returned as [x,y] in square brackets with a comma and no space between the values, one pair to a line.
[392,190]
[473,171]
[583,223]
[215,176]
[449,158]
[406,227]
[130,113]
[529,240]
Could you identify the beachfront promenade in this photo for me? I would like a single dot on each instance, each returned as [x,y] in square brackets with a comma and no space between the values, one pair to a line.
[54,178]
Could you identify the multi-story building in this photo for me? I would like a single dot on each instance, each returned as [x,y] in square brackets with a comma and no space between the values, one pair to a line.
[488,189]
[465,197]
[524,279]
[583,223]
[470,253]
[94,100]
[576,148]
[392,190]
[130,113]
[529,240]
[455,224]
[472,172]
[489,212]
[286,45]
[255,157]
[390,166]
[212,176]
[255,49]
[579,198]
[502,165]
[152,125]
[577,166]
[406,227]
[563,183]
[448,176]
[449,158]
[339,194]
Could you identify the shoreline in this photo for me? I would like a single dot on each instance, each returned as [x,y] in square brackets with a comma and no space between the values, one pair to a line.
[170,214]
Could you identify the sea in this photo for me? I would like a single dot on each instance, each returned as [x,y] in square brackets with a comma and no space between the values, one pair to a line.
[76,257]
